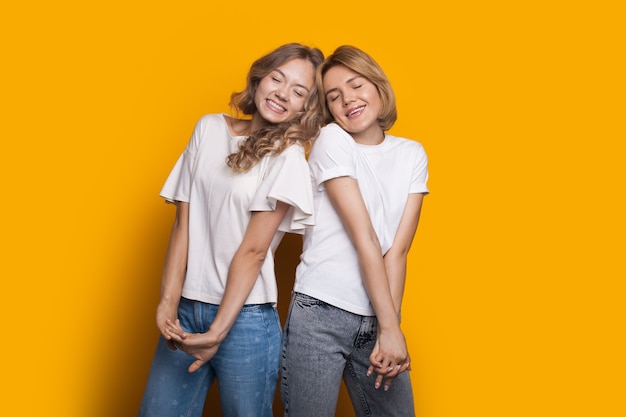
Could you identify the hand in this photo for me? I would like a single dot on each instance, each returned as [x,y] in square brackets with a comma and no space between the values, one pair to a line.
[201,346]
[390,361]
[166,311]
[386,375]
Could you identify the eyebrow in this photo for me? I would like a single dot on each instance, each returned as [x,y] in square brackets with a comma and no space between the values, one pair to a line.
[284,76]
[347,82]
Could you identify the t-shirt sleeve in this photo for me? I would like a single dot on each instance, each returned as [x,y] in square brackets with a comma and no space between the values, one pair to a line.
[287,178]
[332,155]
[177,187]
[419,178]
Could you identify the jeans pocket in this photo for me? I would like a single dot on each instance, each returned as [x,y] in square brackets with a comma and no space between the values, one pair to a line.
[305,301]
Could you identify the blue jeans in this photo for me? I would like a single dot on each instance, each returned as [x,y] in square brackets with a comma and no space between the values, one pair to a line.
[245,365]
[323,344]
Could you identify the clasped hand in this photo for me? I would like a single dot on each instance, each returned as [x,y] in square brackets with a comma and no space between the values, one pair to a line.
[201,346]
[388,360]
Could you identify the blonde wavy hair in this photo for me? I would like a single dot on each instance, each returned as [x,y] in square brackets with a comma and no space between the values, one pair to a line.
[363,64]
[274,138]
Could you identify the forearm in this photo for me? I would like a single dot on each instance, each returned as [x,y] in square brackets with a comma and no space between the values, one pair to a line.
[243,273]
[396,257]
[175,265]
[375,280]
[395,265]
[347,201]
[246,266]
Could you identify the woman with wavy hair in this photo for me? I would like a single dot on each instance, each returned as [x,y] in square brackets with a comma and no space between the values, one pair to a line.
[239,185]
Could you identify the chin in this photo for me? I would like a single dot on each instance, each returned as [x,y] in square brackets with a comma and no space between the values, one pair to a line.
[277,118]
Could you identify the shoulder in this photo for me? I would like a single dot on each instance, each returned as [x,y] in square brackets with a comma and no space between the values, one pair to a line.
[210,119]
[291,155]
[290,162]
[208,122]
[333,130]
[213,124]
[332,134]
[292,151]
[405,145]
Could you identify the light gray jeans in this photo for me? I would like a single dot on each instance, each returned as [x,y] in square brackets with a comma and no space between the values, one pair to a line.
[323,344]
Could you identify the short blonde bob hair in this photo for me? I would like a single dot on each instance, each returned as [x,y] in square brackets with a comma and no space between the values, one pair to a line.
[360,62]
[363,64]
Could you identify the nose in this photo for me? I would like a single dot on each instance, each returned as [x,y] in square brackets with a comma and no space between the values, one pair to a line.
[281,93]
[347,99]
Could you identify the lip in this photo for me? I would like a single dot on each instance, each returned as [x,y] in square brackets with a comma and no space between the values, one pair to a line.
[275,107]
[355,111]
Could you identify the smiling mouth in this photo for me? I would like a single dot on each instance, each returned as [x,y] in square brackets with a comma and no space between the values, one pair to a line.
[272,104]
[355,111]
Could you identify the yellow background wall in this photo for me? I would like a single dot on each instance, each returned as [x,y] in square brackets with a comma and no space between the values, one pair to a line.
[515,295]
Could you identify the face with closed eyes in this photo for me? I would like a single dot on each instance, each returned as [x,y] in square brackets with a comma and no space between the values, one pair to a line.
[354,103]
[282,93]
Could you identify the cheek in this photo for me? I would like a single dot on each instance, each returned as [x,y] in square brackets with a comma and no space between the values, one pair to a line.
[335,110]
[299,103]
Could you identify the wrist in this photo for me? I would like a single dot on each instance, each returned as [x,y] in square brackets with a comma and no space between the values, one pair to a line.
[389,326]
[216,334]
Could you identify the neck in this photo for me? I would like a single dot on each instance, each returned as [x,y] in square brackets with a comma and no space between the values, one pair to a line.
[257,122]
[369,139]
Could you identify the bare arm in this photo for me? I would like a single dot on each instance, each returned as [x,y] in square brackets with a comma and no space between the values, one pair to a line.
[174,269]
[346,198]
[395,264]
[396,257]
[244,270]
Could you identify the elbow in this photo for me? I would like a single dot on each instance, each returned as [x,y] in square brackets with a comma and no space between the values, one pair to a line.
[373,237]
[260,256]
[398,253]
[255,255]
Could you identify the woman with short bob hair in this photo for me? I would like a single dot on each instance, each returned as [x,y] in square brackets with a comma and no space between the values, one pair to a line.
[364,65]
[368,187]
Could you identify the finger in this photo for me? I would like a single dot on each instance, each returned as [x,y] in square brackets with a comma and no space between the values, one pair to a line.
[379,380]
[170,335]
[195,366]
[376,360]
[388,366]
[173,325]
[370,370]
[175,330]
[381,363]
[383,370]
[393,371]
[388,382]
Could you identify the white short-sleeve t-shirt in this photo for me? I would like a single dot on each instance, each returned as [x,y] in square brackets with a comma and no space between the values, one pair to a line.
[386,173]
[221,201]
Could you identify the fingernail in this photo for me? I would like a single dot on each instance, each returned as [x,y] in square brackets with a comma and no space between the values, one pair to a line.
[369,373]
[386,388]
[377,385]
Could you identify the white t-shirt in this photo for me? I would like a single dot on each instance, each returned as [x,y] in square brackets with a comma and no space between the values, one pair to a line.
[386,173]
[221,201]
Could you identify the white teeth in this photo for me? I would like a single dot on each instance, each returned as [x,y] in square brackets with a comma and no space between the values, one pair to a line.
[358,109]
[276,105]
